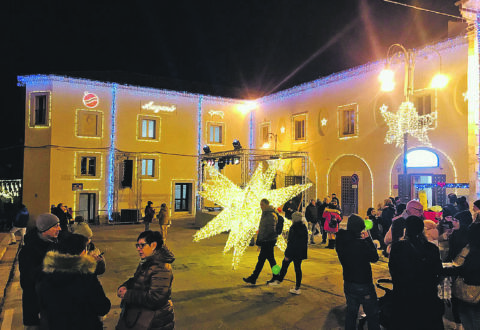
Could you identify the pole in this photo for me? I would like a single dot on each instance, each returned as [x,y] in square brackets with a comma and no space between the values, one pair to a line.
[406,184]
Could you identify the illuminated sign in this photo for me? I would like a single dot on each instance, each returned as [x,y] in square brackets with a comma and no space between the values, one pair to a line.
[216,113]
[90,100]
[158,108]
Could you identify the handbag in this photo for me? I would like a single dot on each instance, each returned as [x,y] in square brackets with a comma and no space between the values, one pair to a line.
[135,318]
[466,292]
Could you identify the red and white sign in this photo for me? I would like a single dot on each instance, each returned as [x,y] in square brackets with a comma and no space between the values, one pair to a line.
[90,100]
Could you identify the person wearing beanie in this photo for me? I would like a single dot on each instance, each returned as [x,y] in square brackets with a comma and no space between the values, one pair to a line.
[397,230]
[70,295]
[38,242]
[375,232]
[415,267]
[356,251]
[296,251]
[82,228]
[476,211]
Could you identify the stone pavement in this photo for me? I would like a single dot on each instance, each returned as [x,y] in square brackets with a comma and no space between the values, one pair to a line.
[8,254]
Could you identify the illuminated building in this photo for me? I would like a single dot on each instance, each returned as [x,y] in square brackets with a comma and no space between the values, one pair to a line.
[156,135]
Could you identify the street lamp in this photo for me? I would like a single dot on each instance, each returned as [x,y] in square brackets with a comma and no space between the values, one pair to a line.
[406,120]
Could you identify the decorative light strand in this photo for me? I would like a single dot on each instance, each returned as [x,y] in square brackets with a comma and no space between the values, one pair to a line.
[241,207]
[111,154]
[407,121]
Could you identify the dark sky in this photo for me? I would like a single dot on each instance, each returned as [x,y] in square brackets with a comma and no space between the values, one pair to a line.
[259,46]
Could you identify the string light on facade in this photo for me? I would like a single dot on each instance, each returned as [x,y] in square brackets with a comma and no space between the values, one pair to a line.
[241,207]
[407,120]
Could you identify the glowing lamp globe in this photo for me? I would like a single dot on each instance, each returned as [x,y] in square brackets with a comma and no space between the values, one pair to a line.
[439,81]
[386,78]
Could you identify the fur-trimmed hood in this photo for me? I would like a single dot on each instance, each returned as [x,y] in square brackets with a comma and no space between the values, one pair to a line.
[327,209]
[66,263]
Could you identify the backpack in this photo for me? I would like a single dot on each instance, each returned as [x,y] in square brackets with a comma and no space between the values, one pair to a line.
[279,226]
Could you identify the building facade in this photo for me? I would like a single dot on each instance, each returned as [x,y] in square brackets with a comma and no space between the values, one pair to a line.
[105,147]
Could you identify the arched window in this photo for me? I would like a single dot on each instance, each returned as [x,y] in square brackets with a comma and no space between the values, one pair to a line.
[422,158]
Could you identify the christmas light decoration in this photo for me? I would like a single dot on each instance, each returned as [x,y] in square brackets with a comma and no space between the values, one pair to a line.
[216,113]
[111,153]
[407,121]
[241,207]
[422,186]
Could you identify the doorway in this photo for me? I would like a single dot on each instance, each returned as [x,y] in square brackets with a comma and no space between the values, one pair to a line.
[349,198]
[87,206]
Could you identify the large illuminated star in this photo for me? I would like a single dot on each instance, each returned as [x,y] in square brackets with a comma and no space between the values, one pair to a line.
[241,207]
[407,120]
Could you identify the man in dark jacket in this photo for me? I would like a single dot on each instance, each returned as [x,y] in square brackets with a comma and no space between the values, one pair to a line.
[20,224]
[311,216]
[61,213]
[356,251]
[288,209]
[266,239]
[38,242]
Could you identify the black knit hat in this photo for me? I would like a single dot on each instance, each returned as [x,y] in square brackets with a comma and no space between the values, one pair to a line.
[477,203]
[355,223]
[414,226]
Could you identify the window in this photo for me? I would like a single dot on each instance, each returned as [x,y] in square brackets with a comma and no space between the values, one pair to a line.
[265,132]
[148,167]
[423,104]
[299,128]
[348,121]
[182,196]
[39,107]
[148,129]
[89,123]
[215,133]
[422,158]
[88,166]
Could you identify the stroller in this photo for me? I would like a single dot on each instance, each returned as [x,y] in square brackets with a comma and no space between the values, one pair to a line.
[384,305]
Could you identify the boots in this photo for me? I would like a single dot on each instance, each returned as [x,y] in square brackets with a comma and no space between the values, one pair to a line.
[331,244]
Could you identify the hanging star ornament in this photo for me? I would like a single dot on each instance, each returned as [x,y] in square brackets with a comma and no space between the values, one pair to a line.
[407,120]
[241,207]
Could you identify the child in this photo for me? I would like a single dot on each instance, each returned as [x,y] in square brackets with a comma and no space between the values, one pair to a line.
[296,251]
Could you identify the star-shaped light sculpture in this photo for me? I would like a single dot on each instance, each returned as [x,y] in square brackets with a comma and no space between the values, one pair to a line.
[241,207]
[324,122]
[407,120]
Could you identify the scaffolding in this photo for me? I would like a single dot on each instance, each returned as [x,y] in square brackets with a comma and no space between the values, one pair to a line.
[249,158]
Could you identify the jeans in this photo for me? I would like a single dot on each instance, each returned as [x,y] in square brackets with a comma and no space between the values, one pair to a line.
[365,295]
[298,271]
[266,253]
[147,225]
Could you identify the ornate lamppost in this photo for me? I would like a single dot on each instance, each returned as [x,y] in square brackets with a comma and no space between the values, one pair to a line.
[407,120]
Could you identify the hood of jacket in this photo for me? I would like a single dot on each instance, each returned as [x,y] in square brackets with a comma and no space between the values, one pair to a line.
[66,263]
[328,209]
[163,255]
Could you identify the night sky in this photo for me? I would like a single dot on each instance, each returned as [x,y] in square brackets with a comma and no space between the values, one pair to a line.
[242,48]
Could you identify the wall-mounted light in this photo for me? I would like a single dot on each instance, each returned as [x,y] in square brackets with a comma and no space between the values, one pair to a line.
[236,145]
[206,149]
[282,129]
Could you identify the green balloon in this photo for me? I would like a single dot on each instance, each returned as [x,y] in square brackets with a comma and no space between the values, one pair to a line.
[276,270]
[368,224]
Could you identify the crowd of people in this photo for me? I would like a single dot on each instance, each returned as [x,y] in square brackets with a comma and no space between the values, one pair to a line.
[433,262]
